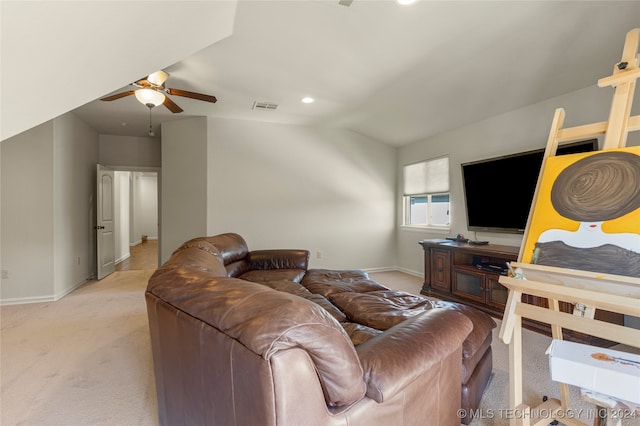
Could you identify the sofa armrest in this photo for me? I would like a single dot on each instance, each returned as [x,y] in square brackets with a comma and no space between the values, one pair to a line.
[394,359]
[278,259]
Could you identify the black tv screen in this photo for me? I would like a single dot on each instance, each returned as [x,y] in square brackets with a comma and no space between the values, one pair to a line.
[498,191]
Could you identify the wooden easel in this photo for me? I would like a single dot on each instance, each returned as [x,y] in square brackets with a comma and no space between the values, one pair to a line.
[590,290]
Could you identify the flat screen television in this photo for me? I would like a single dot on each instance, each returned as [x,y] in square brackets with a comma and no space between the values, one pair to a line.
[498,191]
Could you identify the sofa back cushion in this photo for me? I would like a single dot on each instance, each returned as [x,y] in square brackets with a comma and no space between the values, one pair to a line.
[234,252]
[200,254]
[267,321]
[278,259]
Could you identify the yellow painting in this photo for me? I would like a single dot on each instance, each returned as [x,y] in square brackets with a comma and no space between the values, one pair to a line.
[587,214]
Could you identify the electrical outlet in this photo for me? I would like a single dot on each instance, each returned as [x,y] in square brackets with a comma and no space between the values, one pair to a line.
[5,274]
[78,260]
[318,254]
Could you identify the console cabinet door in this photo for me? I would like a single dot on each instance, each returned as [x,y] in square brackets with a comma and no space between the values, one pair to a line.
[469,284]
[496,293]
[441,269]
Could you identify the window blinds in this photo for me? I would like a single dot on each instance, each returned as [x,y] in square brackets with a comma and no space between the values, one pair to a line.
[427,177]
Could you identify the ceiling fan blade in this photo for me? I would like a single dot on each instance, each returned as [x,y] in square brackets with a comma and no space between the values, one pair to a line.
[143,82]
[171,106]
[118,96]
[192,95]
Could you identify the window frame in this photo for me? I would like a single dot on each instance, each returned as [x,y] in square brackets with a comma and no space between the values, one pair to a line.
[406,221]
[406,201]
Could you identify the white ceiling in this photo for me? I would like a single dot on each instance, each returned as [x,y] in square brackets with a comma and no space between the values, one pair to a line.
[398,74]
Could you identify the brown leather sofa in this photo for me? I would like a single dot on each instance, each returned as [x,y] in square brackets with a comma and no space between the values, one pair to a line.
[245,337]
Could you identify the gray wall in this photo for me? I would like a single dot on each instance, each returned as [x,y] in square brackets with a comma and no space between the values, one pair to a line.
[330,191]
[129,151]
[48,187]
[183,204]
[280,186]
[27,201]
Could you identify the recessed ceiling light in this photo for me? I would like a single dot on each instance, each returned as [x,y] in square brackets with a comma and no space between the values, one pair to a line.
[405,2]
[123,124]
[307,100]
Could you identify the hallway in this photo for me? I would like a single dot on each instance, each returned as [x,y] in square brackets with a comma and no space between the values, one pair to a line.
[142,256]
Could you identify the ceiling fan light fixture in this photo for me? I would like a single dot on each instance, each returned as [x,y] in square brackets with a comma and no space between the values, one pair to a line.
[158,78]
[150,97]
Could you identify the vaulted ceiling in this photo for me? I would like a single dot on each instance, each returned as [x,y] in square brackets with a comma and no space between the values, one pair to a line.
[398,74]
[58,55]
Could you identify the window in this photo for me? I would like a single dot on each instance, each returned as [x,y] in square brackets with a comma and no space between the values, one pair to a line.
[426,193]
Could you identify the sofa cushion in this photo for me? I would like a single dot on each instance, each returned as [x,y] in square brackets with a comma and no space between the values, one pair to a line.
[202,256]
[398,356]
[266,275]
[327,282]
[470,363]
[300,291]
[237,268]
[233,249]
[279,259]
[380,309]
[359,333]
[202,244]
[267,321]
[483,326]
[287,286]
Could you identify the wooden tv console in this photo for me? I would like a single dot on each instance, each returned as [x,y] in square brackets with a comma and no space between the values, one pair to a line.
[450,273]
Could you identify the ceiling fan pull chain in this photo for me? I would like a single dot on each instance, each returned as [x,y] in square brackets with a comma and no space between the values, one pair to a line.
[150,128]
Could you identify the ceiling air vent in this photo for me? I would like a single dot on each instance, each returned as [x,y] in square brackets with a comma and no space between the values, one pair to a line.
[264,105]
[345,2]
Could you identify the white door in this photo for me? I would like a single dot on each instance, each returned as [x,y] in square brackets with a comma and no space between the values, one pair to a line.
[104,222]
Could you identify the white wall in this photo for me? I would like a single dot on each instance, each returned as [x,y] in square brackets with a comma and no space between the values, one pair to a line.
[184,183]
[135,210]
[121,215]
[48,204]
[283,186]
[146,207]
[520,130]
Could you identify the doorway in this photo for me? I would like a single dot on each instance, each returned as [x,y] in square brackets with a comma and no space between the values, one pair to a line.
[135,220]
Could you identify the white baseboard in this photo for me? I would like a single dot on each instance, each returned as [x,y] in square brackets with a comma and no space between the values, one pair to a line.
[135,243]
[395,268]
[123,258]
[41,299]
[25,300]
[381,269]
[419,274]
[70,289]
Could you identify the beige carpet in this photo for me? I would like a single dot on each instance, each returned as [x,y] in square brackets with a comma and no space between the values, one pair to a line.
[83,360]
[86,360]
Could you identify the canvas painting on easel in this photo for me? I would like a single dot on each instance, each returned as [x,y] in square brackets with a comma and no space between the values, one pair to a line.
[587,213]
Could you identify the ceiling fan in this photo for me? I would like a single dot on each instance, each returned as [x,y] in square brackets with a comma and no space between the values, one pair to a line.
[151,93]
